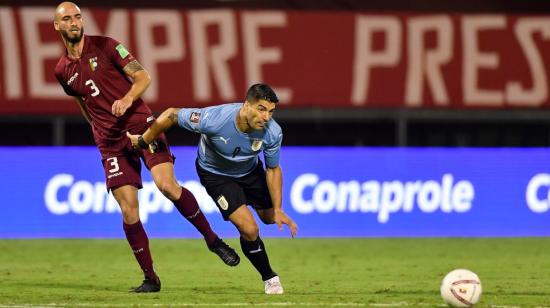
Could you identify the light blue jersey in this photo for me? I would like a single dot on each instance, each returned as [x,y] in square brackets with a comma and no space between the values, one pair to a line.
[223,148]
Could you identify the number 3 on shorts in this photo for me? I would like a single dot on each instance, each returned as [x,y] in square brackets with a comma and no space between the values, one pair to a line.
[113,161]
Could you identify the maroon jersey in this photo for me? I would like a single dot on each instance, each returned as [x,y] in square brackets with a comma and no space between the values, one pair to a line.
[98,77]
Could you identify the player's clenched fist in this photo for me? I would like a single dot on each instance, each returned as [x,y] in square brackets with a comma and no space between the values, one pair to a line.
[121,105]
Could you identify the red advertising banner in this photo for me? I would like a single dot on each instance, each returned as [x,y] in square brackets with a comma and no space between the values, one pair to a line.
[312,58]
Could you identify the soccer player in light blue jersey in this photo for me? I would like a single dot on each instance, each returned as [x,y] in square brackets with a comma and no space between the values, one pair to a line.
[229,167]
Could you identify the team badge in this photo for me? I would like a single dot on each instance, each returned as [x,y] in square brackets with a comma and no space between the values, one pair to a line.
[256,144]
[195,117]
[93,63]
[222,202]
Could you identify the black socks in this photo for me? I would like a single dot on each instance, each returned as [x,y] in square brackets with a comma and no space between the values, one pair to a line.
[255,252]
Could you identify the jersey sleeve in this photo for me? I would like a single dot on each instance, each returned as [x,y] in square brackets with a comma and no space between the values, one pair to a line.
[199,120]
[272,147]
[117,53]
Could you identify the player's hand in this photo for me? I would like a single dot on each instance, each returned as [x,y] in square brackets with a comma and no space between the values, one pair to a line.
[121,105]
[133,139]
[282,218]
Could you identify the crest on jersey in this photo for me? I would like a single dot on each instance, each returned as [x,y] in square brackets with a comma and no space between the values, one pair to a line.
[195,117]
[256,144]
[93,63]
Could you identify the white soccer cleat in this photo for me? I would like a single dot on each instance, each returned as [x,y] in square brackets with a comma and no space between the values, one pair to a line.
[273,286]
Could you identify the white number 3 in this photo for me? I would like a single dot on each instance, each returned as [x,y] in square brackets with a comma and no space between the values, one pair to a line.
[114,162]
[93,87]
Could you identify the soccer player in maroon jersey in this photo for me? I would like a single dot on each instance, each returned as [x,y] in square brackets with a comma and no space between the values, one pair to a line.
[107,82]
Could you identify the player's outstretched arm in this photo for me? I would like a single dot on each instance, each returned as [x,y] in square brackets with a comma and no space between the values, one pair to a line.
[274,178]
[166,120]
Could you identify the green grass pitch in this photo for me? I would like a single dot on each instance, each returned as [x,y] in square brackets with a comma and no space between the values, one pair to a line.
[373,272]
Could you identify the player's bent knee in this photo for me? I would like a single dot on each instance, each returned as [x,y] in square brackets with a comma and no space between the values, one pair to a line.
[250,232]
[130,211]
[169,189]
[130,216]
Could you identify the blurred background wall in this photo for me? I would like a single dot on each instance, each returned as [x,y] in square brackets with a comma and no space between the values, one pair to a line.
[351,73]
[370,76]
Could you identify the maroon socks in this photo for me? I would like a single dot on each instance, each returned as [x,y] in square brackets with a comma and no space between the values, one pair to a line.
[137,238]
[188,207]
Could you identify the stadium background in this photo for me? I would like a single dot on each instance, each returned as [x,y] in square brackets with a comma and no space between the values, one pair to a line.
[370,86]
[309,48]
[401,119]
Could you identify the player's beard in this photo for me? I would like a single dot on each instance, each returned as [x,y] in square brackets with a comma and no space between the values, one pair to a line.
[74,39]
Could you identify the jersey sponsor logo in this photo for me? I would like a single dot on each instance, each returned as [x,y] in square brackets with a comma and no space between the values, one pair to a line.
[73,77]
[122,51]
[93,63]
[115,174]
[222,202]
[223,139]
[195,117]
[256,144]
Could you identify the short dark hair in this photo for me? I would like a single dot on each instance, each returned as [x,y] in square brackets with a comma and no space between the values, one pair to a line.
[261,91]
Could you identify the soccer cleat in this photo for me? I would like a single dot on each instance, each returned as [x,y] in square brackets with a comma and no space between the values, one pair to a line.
[273,286]
[149,285]
[226,253]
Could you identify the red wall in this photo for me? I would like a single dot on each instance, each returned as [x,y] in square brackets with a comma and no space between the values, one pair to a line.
[312,58]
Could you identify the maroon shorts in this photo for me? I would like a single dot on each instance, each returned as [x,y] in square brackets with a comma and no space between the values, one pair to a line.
[125,169]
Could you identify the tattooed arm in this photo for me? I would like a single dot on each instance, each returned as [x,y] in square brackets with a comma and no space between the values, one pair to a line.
[141,81]
[166,120]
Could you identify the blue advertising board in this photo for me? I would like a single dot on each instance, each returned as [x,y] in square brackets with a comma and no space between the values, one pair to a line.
[330,192]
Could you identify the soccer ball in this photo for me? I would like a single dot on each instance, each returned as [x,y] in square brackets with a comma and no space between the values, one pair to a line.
[461,288]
